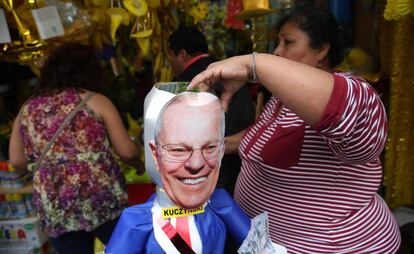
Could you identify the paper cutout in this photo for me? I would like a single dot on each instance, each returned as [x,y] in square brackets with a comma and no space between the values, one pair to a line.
[48,22]
[4,29]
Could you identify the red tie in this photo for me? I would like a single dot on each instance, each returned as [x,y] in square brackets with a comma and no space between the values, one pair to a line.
[183,229]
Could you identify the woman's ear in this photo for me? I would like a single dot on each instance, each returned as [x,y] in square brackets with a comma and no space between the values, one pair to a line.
[184,56]
[182,53]
[323,51]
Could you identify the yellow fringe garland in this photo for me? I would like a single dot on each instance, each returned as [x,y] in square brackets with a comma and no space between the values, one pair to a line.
[397,61]
[396,9]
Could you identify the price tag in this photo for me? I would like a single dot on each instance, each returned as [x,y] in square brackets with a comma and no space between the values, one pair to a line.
[48,22]
[4,29]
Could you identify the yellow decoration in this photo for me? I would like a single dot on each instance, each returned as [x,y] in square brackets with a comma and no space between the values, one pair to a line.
[27,36]
[359,59]
[130,173]
[259,33]
[100,26]
[98,246]
[142,34]
[142,30]
[143,26]
[118,16]
[199,12]
[145,47]
[254,8]
[396,9]
[131,176]
[134,129]
[97,3]
[35,68]
[154,3]
[136,7]
[166,74]
[359,62]
[397,61]
[157,63]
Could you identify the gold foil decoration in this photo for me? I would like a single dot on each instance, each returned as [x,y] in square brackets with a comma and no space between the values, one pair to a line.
[117,16]
[27,36]
[154,3]
[143,26]
[97,3]
[100,26]
[254,8]
[142,30]
[136,7]
[396,9]
[26,46]
[397,61]
[259,33]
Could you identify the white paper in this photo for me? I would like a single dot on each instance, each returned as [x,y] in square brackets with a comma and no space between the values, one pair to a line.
[4,29]
[258,240]
[154,101]
[48,22]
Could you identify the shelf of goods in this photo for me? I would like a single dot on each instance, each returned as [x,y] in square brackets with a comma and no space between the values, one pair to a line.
[20,230]
[27,189]
[22,236]
[13,181]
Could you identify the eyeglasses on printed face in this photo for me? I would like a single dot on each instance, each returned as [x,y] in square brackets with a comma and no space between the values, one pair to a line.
[182,152]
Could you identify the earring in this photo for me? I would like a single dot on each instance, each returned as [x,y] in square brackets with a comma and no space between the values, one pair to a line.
[319,64]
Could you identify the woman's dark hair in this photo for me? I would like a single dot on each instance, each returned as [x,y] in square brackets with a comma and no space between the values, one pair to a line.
[321,27]
[70,65]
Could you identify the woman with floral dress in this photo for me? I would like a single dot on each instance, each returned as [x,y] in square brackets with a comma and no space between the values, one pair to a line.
[78,188]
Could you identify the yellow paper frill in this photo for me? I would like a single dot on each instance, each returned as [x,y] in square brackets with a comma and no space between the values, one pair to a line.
[397,9]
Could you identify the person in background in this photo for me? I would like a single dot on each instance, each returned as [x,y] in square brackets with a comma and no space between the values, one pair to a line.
[189,56]
[312,158]
[78,187]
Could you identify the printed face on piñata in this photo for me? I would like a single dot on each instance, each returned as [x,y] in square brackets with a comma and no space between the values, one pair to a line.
[189,147]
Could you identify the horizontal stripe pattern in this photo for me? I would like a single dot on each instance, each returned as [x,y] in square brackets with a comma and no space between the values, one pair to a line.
[327,201]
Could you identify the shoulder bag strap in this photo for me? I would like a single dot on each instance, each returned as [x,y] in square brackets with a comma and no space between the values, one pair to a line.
[61,127]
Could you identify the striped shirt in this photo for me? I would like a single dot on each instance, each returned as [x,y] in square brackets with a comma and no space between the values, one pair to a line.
[319,183]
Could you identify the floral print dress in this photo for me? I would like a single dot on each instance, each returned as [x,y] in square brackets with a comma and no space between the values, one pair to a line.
[79,184]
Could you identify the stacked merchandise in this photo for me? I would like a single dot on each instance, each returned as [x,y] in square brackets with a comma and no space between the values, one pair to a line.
[11,178]
[15,206]
[20,231]
[22,236]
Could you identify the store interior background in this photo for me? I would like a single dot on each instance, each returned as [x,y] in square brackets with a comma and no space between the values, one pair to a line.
[134,54]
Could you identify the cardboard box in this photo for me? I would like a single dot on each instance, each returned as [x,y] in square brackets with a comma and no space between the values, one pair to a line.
[21,251]
[22,233]
[45,249]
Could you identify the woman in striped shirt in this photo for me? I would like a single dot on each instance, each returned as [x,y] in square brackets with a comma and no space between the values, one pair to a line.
[312,158]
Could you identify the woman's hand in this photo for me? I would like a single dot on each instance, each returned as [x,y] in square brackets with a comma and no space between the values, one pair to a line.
[233,73]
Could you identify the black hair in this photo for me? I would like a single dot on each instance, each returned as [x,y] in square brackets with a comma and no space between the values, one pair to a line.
[189,38]
[321,27]
[70,65]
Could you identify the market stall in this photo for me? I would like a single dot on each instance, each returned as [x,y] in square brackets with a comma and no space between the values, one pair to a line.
[130,37]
